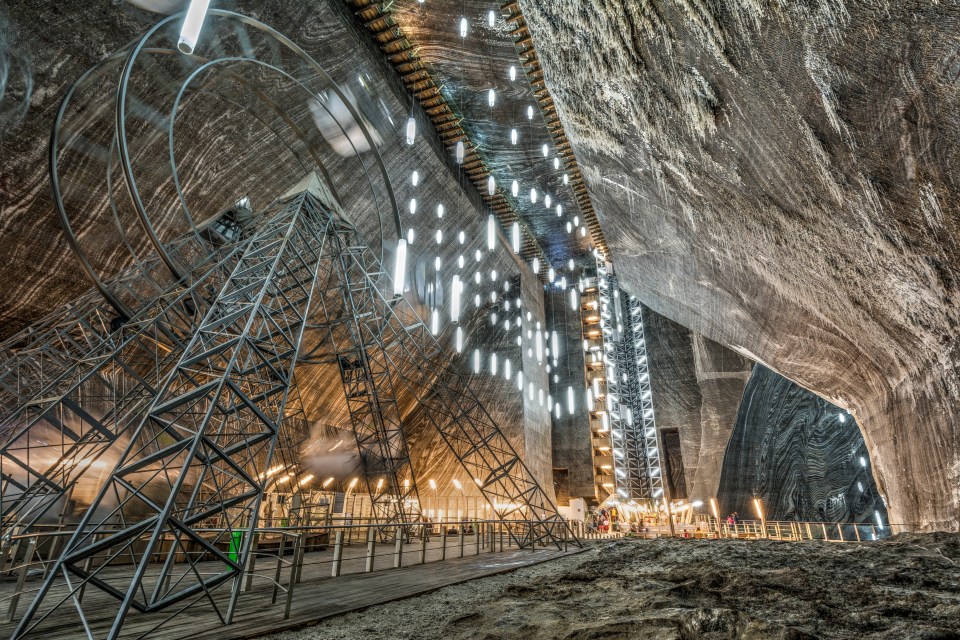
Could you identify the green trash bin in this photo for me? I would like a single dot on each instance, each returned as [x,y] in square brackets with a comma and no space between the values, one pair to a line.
[236,542]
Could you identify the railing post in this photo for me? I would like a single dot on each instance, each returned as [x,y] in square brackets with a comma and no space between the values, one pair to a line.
[337,554]
[294,573]
[840,532]
[371,548]
[463,536]
[856,530]
[779,535]
[423,546]
[398,551]
[477,539]
[12,611]
[276,575]
[251,562]
[823,525]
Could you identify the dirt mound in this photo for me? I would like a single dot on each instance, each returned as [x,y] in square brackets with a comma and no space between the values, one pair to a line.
[906,587]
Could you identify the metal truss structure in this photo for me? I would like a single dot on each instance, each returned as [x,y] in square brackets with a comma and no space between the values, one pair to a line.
[636,451]
[195,466]
[200,454]
[175,377]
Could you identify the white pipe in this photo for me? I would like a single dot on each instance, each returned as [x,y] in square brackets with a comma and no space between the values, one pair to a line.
[192,23]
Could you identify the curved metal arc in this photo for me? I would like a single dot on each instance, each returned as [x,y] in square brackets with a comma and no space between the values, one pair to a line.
[121,123]
[72,239]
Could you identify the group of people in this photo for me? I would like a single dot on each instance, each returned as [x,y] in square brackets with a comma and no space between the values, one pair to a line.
[733,519]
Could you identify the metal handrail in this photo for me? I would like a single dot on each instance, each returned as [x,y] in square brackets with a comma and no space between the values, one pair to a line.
[287,547]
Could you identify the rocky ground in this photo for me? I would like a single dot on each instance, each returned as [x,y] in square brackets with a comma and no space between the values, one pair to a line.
[907,587]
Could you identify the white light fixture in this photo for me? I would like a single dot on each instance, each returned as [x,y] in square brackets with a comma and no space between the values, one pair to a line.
[491,185]
[556,163]
[491,232]
[583,231]
[441,211]
[515,228]
[506,369]
[589,400]
[491,97]
[573,299]
[476,360]
[535,265]
[529,112]
[515,188]
[569,227]
[491,18]
[463,27]
[459,340]
[513,73]
[192,23]
[413,205]
[545,150]
[415,178]
[546,201]
[570,405]
[456,290]
[493,364]
[533,195]
[460,151]
[400,267]
[513,136]
[566,178]
[411,130]
[551,275]
[435,321]
[411,235]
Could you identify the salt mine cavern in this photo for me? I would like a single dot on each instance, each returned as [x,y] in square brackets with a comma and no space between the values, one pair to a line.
[516,319]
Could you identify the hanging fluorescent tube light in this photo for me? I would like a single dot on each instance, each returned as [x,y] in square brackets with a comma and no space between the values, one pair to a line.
[411,130]
[491,232]
[476,360]
[463,27]
[491,185]
[192,24]
[459,340]
[460,152]
[455,299]
[400,267]
[536,265]
[570,405]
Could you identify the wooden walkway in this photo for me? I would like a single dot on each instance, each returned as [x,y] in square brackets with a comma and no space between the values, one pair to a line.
[316,597]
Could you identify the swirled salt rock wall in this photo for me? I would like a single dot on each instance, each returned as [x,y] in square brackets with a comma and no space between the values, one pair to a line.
[804,457]
[780,178]
[39,273]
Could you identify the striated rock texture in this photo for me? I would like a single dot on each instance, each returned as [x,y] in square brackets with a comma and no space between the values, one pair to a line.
[780,179]
[804,457]
[722,376]
[230,157]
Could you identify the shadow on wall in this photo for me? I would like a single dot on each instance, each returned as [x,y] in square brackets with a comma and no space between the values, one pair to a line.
[804,457]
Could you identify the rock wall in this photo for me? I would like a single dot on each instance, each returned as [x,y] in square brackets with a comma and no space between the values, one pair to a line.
[572,449]
[779,176]
[721,376]
[804,457]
